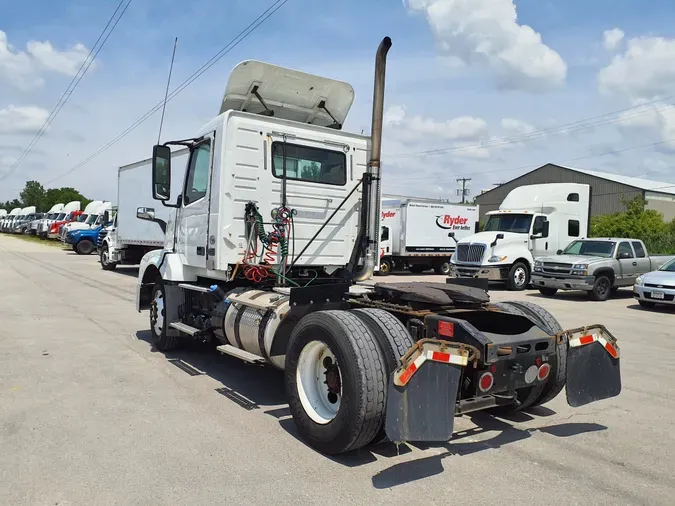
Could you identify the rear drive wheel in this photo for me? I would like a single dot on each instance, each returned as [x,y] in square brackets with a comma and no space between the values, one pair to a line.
[601,289]
[85,247]
[544,392]
[106,263]
[442,268]
[385,267]
[519,277]
[548,292]
[335,378]
[394,341]
[158,324]
[647,304]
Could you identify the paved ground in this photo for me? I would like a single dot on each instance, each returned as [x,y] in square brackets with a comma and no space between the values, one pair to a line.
[89,414]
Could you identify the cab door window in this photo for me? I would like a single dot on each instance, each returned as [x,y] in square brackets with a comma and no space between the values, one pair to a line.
[198,173]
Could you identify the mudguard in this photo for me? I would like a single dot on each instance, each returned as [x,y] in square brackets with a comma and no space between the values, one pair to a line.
[423,391]
[593,369]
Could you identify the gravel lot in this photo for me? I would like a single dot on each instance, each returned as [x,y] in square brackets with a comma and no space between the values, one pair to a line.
[91,415]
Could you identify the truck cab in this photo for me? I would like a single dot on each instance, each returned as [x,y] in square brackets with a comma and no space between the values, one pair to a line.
[71,211]
[9,220]
[42,226]
[92,217]
[532,221]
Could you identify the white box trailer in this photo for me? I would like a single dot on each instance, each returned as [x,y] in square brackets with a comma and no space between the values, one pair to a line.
[420,235]
[130,238]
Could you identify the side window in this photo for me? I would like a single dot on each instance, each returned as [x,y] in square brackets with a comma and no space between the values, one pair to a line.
[573,197]
[385,234]
[573,228]
[538,227]
[639,250]
[305,163]
[198,173]
[625,249]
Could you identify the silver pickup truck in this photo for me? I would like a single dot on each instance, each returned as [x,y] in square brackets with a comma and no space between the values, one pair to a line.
[599,266]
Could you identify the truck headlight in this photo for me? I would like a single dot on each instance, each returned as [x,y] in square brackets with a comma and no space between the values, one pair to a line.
[580,269]
[496,258]
[640,281]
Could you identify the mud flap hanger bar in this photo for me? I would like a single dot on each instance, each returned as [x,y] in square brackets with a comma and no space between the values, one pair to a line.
[422,392]
[593,369]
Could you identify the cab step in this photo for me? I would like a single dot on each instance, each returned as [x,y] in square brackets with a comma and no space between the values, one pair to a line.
[194,288]
[251,358]
[184,328]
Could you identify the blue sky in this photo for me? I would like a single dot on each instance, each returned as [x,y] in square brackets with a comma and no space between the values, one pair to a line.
[464,78]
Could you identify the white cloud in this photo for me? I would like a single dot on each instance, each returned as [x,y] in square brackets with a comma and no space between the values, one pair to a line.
[24,69]
[516,126]
[486,32]
[418,127]
[611,39]
[646,69]
[22,120]
[651,119]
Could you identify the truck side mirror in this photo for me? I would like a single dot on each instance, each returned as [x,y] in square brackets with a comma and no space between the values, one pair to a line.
[452,236]
[500,236]
[161,172]
[106,216]
[623,255]
[145,213]
[559,252]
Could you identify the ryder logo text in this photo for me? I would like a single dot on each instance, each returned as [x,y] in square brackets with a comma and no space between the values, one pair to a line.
[448,222]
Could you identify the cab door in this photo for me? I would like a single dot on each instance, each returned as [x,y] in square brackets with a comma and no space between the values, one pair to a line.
[539,238]
[194,221]
[628,263]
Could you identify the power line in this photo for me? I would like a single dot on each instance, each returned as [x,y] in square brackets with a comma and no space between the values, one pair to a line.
[84,68]
[274,7]
[523,167]
[541,133]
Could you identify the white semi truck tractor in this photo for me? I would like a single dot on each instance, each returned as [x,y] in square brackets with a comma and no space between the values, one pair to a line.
[275,225]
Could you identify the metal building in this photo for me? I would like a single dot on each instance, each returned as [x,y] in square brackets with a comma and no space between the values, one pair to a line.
[607,190]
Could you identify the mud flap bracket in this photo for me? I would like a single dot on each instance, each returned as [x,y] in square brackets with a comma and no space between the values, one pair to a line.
[593,371]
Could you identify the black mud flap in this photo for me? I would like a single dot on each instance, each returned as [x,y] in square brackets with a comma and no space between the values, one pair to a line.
[593,371]
[423,409]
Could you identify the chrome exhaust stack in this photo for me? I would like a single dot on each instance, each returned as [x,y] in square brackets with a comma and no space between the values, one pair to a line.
[370,203]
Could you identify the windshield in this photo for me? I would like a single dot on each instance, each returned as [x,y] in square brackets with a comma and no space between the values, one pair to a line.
[668,266]
[602,249]
[92,219]
[82,218]
[516,223]
[61,216]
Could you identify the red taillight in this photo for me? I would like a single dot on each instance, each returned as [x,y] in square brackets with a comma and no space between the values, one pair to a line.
[485,382]
[544,370]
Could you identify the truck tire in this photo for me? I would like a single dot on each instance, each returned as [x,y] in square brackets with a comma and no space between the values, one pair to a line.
[394,341]
[547,291]
[541,394]
[385,267]
[322,344]
[601,288]
[85,247]
[104,258]
[158,324]
[442,268]
[519,277]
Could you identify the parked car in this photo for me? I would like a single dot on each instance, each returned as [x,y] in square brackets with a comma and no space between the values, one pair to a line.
[656,287]
[599,266]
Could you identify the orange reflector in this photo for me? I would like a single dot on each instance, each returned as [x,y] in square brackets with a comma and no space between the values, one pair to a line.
[440,356]
[611,350]
[543,371]
[446,329]
[586,339]
[485,382]
[407,374]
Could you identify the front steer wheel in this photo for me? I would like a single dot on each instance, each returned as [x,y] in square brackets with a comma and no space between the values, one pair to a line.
[106,263]
[158,324]
[85,247]
[336,381]
[519,277]
[601,289]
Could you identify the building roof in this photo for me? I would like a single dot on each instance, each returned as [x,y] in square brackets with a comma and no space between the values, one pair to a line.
[642,184]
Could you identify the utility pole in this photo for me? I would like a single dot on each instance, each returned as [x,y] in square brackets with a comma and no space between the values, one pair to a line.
[464,191]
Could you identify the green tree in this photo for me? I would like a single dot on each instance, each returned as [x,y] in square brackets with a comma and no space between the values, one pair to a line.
[33,194]
[63,196]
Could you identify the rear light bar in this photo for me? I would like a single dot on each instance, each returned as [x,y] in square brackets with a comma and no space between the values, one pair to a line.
[433,350]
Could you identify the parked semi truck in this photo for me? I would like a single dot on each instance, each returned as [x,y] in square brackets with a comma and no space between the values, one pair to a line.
[3,217]
[71,211]
[275,226]
[9,220]
[129,238]
[23,220]
[39,225]
[92,217]
[421,235]
[532,221]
